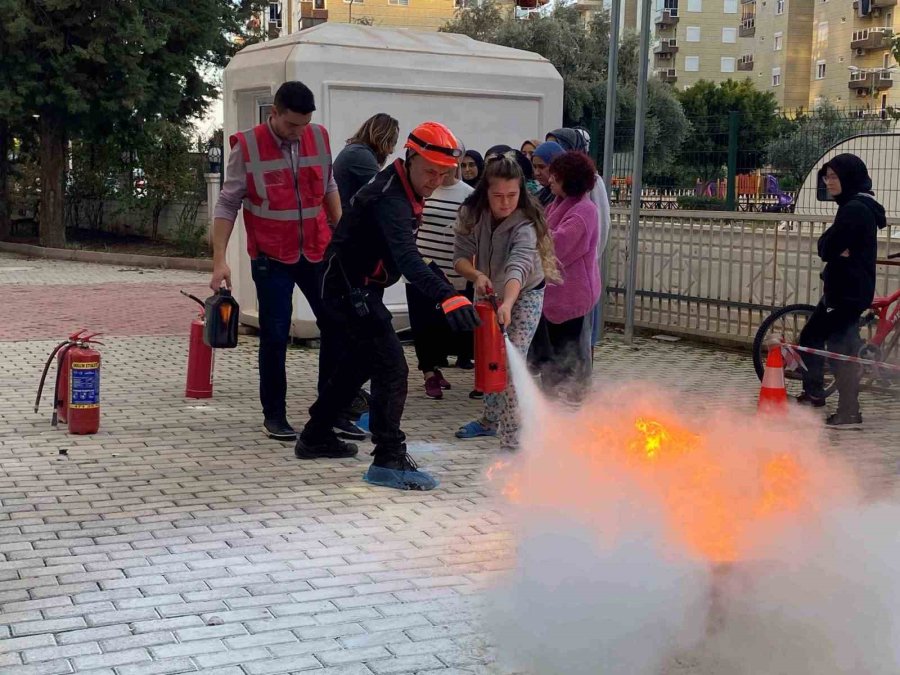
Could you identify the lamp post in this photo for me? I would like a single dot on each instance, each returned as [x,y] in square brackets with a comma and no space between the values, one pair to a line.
[214,155]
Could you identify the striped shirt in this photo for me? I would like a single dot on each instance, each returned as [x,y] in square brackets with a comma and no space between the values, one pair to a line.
[435,237]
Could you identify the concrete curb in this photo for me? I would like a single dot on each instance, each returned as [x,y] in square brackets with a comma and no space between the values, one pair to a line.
[134,259]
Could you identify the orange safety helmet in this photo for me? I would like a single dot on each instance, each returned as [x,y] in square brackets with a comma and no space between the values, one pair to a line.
[436,143]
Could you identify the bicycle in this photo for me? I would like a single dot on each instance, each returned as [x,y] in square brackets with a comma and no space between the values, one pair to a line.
[879,327]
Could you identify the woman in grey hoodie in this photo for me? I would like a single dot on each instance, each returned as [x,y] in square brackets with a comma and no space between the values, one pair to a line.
[503,246]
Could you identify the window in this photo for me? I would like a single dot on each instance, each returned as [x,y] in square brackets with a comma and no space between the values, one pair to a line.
[820,70]
[887,61]
[776,77]
[693,34]
[404,3]
[695,5]
[729,35]
[823,32]
[779,7]
[728,64]
[692,64]
[319,4]
[275,13]
[778,44]
[731,6]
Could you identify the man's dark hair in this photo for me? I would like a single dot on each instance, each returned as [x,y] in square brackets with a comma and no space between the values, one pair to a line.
[296,97]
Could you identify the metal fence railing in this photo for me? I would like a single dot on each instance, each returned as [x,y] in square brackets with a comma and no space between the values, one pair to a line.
[717,276]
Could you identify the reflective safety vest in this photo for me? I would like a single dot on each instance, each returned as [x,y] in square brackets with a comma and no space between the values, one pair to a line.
[283,216]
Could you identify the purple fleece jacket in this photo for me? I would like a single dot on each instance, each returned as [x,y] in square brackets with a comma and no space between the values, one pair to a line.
[575,227]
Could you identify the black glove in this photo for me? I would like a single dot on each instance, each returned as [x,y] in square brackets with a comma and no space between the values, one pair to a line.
[460,313]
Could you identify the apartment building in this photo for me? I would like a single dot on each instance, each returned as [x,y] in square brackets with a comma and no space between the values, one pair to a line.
[288,16]
[852,65]
[696,40]
[802,51]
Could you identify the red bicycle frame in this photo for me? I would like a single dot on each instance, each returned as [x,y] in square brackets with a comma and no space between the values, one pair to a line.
[880,308]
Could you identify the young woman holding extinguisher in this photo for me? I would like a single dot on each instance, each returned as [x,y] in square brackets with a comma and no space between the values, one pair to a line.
[503,247]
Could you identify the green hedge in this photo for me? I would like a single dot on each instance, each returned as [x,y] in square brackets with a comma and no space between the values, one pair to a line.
[695,203]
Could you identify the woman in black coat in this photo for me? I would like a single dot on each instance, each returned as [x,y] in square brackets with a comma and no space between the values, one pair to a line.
[848,248]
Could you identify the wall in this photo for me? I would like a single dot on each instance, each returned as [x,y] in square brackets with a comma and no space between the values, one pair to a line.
[116,219]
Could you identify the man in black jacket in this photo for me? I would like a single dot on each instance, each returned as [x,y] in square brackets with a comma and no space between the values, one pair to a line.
[848,248]
[374,244]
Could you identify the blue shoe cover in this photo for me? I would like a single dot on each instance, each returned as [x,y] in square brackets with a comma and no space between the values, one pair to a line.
[400,480]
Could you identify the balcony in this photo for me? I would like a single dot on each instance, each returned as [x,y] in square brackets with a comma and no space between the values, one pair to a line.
[745,63]
[667,75]
[871,38]
[748,26]
[748,2]
[667,18]
[313,10]
[876,7]
[666,48]
[877,80]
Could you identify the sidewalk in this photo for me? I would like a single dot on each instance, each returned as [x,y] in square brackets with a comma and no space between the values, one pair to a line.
[180,539]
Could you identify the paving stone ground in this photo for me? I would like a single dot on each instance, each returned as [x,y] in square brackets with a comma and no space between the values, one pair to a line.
[179,539]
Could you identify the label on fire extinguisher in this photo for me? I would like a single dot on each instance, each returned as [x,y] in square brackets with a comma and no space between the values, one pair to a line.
[85,385]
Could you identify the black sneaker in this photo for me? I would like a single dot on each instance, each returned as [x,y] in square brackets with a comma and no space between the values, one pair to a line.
[477,395]
[330,448]
[280,430]
[465,364]
[344,428]
[840,419]
[812,401]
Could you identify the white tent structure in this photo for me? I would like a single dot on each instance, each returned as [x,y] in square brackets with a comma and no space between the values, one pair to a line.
[485,93]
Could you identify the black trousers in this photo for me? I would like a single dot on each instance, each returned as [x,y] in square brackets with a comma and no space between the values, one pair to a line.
[562,353]
[374,352]
[432,337]
[835,329]
[275,283]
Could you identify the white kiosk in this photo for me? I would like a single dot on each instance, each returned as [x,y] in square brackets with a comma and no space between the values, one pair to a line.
[485,93]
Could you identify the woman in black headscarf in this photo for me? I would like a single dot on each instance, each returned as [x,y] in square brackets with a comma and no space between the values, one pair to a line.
[471,167]
[848,248]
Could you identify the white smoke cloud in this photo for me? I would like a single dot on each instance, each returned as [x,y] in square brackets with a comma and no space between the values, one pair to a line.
[612,577]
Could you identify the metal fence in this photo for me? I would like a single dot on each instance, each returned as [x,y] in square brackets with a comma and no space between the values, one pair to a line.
[772,156]
[715,276]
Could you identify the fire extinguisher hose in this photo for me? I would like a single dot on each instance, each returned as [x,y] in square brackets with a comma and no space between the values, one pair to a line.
[37,400]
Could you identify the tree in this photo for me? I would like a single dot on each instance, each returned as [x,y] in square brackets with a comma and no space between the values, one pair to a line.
[103,69]
[795,152]
[580,55]
[707,105]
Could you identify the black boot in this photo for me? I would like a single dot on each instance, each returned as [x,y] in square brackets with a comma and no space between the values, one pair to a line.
[280,430]
[327,447]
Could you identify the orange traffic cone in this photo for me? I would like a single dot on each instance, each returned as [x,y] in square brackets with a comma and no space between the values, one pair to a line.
[772,394]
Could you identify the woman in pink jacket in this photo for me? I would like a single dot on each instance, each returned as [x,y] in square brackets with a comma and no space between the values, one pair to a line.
[564,333]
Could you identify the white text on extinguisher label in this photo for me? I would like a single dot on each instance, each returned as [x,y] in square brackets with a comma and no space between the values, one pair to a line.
[84,385]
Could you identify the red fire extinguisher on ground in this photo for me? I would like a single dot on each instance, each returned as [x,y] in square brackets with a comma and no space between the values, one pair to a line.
[201,360]
[490,349]
[76,398]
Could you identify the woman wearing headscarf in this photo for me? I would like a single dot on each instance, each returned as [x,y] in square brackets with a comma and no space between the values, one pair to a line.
[529,146]
[471,166]
[543,156]
[848,248]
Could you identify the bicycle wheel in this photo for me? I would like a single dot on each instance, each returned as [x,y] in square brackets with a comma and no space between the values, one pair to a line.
[890,355]
[786,323]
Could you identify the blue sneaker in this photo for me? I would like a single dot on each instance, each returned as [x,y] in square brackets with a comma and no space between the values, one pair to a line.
[400,473]
[474,429]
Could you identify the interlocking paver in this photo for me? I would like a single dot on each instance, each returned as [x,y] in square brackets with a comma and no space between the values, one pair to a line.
[178,539]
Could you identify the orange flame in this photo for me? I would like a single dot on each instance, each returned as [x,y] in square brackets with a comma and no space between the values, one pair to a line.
[710,499]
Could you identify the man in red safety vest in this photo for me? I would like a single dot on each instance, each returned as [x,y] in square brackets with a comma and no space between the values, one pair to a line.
[279,172]
[372,247]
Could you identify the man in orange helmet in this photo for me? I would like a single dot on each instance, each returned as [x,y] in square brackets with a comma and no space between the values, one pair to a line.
[374,244]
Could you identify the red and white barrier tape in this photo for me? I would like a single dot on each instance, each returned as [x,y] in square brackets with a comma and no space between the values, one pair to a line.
[792,355]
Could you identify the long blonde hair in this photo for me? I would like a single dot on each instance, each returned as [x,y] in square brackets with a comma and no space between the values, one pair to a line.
[477,203]
[381,133]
